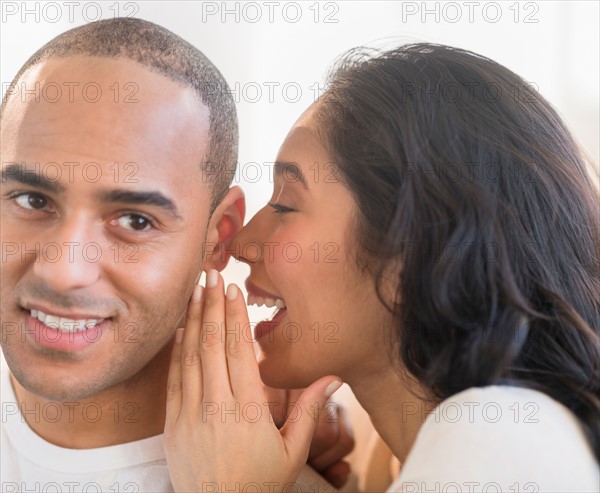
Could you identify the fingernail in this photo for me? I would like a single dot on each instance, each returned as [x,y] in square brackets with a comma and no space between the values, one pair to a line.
[332,387]
[212,278]
[179,335]
[197,294]
[232,292]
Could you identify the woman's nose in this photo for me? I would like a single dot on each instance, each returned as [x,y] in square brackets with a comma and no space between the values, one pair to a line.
[248,245]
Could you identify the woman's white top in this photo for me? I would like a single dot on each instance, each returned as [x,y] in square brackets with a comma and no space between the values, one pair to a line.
[500,438]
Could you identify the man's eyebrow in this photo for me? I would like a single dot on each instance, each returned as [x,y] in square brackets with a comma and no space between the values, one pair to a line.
[290,172]
[19,173]
[150,197]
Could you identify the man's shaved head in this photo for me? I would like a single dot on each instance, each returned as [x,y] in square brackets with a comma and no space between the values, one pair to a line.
[166,53]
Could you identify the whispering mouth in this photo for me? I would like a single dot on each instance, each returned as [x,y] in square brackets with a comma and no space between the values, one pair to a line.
[265,301]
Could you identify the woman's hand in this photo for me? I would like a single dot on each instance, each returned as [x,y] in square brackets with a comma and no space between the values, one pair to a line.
[219,433]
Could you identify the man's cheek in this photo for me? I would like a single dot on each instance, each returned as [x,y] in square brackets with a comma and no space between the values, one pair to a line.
[9,276]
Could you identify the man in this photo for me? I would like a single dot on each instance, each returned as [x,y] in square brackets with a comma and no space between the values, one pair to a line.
[115,179]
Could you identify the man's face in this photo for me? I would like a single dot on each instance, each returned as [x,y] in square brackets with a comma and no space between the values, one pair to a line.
[108,228]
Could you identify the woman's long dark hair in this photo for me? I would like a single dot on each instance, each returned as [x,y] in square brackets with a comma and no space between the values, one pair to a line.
[462,171]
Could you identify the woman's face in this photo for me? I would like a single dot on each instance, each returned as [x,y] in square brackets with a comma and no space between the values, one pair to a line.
[300,249]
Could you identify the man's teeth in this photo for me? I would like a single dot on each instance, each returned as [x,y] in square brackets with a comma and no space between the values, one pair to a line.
[268,302]
[64,324]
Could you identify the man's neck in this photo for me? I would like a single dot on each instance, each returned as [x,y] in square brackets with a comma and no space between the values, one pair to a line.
[130,411]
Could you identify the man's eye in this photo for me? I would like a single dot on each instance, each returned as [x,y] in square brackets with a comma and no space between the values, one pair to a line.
[32,201]
[134,222]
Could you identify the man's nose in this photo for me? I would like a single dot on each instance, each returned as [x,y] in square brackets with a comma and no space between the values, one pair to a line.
[71,258]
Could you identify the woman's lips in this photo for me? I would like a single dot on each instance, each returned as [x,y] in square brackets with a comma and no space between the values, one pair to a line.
[268,326]
[256,291]
[260,297]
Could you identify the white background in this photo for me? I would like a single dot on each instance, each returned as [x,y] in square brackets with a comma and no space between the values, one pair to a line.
[552,44]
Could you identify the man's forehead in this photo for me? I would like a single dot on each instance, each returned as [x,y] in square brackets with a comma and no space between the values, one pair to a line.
[131,124]
[104,102]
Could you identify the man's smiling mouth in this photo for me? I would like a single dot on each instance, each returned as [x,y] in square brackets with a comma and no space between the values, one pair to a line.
[64,324]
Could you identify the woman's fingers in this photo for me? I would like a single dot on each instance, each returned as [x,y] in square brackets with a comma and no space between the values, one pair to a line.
[215,355]
[174,386]
[335,416]
[217,388]
[241,360]
[191,366]
[298,434]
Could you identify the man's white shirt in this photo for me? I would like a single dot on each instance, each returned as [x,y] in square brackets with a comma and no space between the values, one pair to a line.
[28,463]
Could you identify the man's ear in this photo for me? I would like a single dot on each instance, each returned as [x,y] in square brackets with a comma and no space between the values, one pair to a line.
[225,222]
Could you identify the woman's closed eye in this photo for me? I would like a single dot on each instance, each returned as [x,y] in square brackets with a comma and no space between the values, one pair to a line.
[279,209]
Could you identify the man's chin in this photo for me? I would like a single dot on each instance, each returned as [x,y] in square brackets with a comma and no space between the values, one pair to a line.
[55,383]
[66,392]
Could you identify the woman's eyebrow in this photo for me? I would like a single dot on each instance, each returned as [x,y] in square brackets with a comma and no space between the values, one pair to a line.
[290,172]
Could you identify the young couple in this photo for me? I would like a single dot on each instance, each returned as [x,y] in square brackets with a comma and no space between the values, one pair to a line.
[461,295]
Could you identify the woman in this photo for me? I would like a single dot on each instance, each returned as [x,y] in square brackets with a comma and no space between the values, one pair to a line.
[433,241]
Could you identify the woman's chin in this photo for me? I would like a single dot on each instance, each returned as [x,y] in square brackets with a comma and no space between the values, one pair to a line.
[275,375]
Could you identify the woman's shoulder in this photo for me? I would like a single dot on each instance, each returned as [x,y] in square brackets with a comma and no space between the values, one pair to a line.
[502,438]
[504,404]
